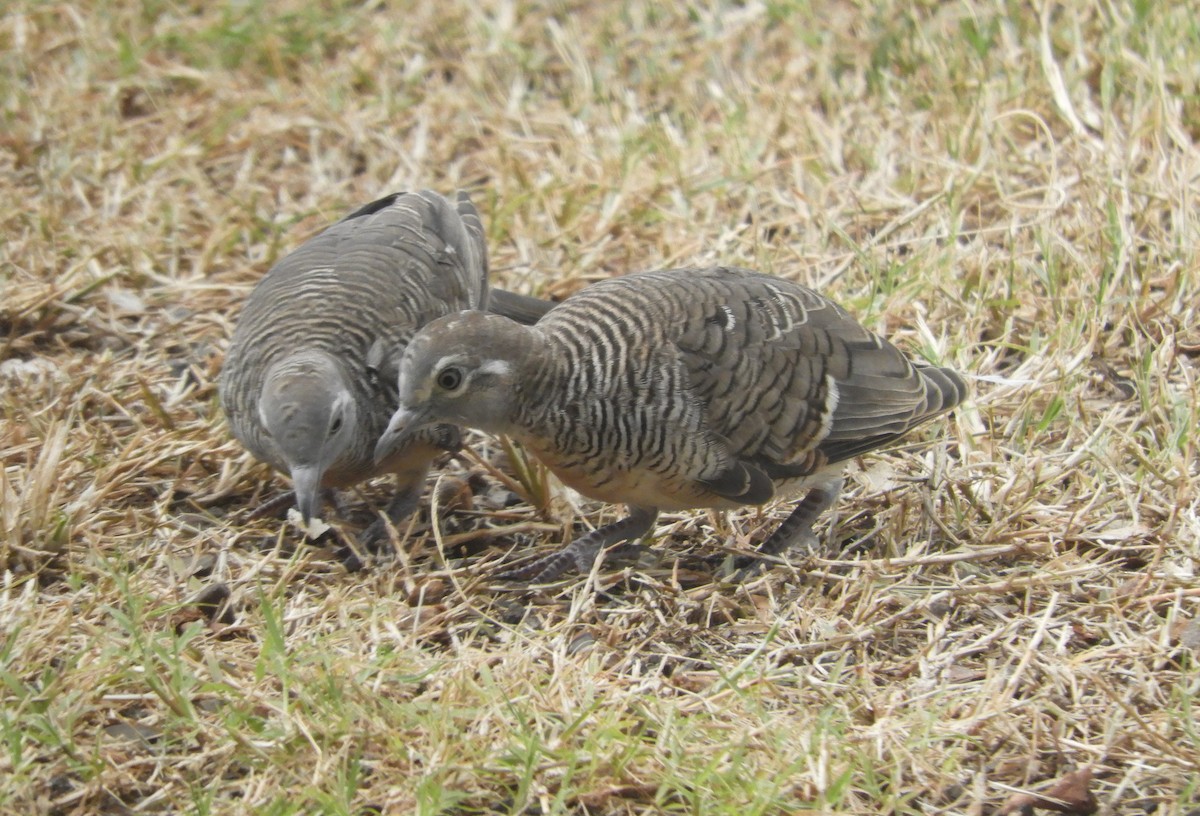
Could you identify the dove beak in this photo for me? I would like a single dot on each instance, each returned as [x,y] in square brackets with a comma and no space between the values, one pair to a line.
[404,423]
[306,481]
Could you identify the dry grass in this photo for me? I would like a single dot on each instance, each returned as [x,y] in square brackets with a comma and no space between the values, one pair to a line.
[1009,190]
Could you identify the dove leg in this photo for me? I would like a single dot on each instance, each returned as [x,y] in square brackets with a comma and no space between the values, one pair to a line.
[795,534]
[411,465]
[376,538]
[583,551]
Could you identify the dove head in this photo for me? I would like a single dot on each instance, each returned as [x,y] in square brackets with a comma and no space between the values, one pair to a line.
[311,417]
[461,369]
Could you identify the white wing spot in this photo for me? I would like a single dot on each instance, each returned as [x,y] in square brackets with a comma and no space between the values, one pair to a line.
[831,403]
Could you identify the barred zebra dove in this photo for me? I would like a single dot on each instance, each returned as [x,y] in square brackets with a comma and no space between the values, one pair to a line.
[675,389]
[309,381]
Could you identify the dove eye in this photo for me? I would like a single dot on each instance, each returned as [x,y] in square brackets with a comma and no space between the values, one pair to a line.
[450,379]
[336,425]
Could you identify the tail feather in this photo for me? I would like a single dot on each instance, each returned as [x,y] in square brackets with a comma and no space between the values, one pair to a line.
[945,388]
[521,308]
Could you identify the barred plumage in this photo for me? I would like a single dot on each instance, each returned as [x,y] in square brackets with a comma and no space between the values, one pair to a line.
[309,381]
[676,389]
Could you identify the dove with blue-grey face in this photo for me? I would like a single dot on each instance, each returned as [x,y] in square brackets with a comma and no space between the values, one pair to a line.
[309,381]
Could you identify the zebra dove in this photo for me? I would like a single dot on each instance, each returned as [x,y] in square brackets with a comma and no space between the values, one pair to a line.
[309,381]
[671,390]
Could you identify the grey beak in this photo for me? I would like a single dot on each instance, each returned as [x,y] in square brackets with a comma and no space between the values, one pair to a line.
[306,482]
[403,424]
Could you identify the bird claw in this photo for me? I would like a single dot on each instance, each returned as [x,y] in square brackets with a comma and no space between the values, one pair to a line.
[584,550]
[348,557]
[376,539]
[801,552]
[542,570]
[276,507]
[747,567]
[580,553]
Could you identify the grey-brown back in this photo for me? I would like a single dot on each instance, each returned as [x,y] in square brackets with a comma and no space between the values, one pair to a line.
[357,291]
[731,379]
